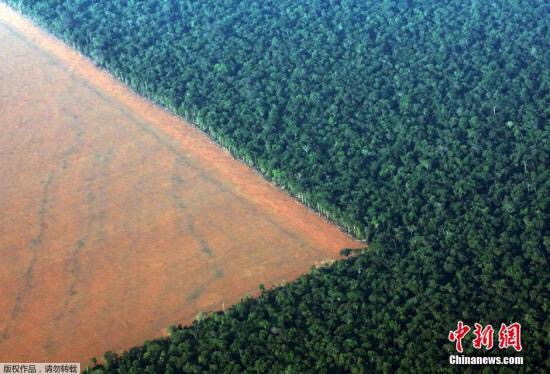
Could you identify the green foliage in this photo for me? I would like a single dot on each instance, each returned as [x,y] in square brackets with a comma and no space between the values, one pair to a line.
[418,125]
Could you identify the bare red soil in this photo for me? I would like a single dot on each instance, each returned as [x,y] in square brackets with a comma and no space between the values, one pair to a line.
[118,219]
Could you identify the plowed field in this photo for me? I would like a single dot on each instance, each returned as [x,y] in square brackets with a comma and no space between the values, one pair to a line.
[118,219]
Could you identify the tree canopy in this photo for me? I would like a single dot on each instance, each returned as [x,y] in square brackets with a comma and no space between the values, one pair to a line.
[419,126]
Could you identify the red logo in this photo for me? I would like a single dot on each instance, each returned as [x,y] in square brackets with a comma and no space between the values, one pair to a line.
[458,334]
[508,336]
[483,337]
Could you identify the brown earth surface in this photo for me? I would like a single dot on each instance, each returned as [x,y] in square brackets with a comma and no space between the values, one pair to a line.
[117,219]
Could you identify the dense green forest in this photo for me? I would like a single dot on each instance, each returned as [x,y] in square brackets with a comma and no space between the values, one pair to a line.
[419,126]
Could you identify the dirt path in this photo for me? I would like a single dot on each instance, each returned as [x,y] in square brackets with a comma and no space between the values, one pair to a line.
[118,219]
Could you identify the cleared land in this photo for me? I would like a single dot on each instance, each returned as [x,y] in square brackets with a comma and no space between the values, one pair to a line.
[118,219]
